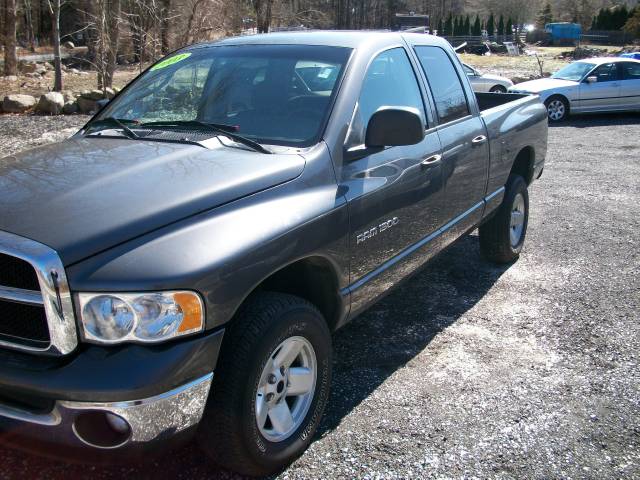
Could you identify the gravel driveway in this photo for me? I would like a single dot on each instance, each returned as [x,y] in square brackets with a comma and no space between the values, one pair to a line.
[472,370]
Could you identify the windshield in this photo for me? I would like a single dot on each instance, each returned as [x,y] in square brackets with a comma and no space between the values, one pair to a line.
[574,71]
[273,94]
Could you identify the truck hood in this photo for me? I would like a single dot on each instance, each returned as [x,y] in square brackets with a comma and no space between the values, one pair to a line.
[85,195]
[542,84]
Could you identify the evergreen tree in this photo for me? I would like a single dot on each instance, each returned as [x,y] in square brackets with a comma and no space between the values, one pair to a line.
[456,26]
[448,26]
[619,17]
[544,16]
[440,27]
[633,23]
[491,25]
[501,25]
[509,28]
[477,28]
[466,30]
[593,23]
[604,19]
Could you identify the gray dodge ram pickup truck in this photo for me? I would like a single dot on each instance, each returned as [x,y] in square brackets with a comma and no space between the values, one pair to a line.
[176,268]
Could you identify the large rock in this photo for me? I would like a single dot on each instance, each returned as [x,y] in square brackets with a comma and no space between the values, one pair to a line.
[70,107]
[11,78]
[86,105]
[51,103]
[18,103]
[69,96]
[93,95]
[28,67]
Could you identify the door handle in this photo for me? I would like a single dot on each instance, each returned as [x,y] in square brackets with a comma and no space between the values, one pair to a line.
[479,140]
[429,161]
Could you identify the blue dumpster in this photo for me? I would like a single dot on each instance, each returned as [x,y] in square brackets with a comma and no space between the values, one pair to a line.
[563,32]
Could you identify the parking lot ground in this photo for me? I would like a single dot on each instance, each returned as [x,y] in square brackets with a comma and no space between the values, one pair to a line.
[481,371]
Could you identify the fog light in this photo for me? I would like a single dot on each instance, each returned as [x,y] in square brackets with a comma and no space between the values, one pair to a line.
[103,430]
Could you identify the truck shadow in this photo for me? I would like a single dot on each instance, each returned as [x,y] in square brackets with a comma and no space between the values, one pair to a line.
[599,120]
[383,339]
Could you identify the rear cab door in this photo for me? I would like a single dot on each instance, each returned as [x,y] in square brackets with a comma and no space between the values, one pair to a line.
[463,135]
[630,85]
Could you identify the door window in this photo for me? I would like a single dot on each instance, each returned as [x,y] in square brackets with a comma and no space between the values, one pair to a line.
[631,71]
[448,93]
[389,82]
[606,73]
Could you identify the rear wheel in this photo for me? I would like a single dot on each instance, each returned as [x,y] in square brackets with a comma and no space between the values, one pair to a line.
[498,89]
[557,109]
[502,237]
[270,386]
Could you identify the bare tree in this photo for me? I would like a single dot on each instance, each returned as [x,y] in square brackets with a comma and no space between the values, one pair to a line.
[165,14]
[54,10]
[107,26]
[10,55]
[28,23]
[263,9]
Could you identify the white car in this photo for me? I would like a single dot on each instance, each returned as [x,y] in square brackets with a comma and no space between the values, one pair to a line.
[608,84]
[486,82]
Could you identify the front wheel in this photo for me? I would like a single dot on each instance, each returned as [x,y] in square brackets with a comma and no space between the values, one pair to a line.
[502,237]
[557,109]
[270,387]
[498,89]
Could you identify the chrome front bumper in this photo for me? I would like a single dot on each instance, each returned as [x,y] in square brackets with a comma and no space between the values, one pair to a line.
[147,421]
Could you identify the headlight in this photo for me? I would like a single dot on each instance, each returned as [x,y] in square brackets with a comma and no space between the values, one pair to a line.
[141,317]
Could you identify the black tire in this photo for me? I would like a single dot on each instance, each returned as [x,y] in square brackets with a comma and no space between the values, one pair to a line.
[551,113]
[498,89]
[495,234]
[229,433]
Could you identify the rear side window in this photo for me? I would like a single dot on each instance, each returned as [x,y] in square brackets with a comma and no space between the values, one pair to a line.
[631,71]
[389,82]
[449,96]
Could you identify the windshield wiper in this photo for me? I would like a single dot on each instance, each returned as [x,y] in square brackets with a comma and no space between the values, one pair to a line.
[226,130]
[114,122]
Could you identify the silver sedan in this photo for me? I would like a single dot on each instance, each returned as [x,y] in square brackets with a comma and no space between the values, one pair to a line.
[486,82]
[608,84]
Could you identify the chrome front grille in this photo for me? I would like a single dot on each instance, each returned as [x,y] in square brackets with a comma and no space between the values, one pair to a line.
[36,311]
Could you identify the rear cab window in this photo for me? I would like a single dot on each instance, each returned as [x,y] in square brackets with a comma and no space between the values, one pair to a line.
[445,84]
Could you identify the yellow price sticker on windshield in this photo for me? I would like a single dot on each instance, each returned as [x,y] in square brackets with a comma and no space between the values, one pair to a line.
[170,61]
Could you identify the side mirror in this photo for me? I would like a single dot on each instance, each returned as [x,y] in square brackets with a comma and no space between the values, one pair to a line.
[394,126]
[592,79]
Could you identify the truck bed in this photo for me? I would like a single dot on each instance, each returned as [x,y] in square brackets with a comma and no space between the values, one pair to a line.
[491,100]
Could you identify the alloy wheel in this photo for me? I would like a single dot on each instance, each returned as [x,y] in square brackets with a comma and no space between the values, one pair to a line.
[286,388]
[516,225]
[556,110]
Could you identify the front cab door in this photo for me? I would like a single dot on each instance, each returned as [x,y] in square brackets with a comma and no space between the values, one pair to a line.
[394,194]
[604,94]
